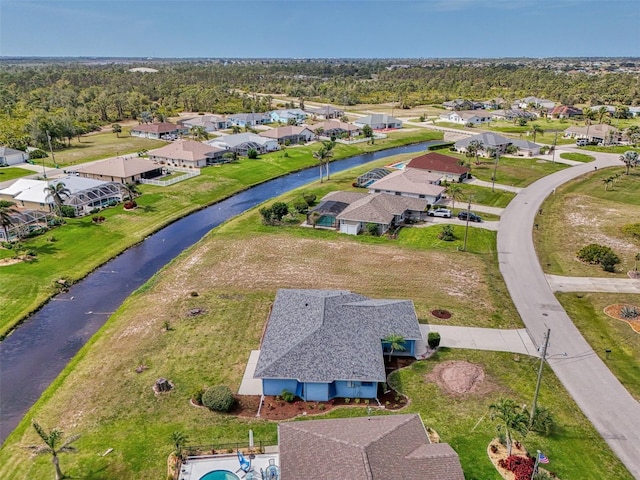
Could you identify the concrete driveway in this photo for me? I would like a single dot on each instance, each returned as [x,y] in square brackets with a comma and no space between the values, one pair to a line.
[602,398]
[593,284]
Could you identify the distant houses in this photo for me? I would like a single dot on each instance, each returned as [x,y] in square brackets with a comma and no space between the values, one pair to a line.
[157,131]
[210,123]
[335,128]
[249,119]
[290,134]
[326,112]
[467,117]
[599,133]
[294,115]
[378,121]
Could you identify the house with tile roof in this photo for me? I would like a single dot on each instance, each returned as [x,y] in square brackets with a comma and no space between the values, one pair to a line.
[448,167]
[378,121]
[564,111]
[386,447]
[187,154]
[10,156]
[335,128]
[323,344]
[158,130]
[411,182]
[123,170]
[289,134]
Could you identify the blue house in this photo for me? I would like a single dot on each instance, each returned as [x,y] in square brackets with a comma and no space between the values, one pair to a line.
[322,344]
[285,115]
[248,119]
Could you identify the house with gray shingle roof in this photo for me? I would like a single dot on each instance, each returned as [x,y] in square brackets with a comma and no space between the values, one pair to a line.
[488,140]
[322,344]
[411,182]
[378,121]
[388,447]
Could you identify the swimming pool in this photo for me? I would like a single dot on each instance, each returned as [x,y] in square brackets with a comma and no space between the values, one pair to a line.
[220,475]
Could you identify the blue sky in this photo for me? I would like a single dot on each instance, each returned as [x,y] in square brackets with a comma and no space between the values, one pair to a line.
[320,28]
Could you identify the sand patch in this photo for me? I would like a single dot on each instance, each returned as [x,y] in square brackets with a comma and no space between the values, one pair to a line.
[460,378]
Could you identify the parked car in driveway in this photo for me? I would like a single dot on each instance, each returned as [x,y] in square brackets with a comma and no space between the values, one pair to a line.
[472,216]
[440,212]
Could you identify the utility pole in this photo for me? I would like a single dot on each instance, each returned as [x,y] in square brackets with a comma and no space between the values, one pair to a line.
[53,159]
[555,140]
[543,357]
[495,170]
[466,230]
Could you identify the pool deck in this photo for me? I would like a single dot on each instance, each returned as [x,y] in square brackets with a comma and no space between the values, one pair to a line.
[197,467]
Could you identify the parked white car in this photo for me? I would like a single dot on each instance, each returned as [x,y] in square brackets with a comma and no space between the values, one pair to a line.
[440,212]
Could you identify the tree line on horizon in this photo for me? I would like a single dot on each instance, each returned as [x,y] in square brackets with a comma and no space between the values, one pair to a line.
[68,100]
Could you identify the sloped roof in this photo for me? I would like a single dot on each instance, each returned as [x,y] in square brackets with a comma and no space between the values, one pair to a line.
[120,167]
[411,180]
[376,118]
[525,144]
[20,185]
[334,125]
[566,110]
[437,162]
[487,139]
[286,131]
[380,208]
[601,129]
[327,335]
[334,203]
[157,128]
[188,150]
[246,117]
[389,447]
[37,191]
[237,139]
[6,151]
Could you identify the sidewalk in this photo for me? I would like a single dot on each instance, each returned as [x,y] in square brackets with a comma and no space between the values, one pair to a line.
[593,284]
[498,186]
[499,340]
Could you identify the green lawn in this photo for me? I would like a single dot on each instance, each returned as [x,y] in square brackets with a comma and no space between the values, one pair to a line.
[81,246]
[606,333]
[577,157]
[611,148]
[10,173]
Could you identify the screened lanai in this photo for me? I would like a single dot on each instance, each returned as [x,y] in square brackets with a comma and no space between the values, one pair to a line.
[99,196]
[371,176]
[24,223]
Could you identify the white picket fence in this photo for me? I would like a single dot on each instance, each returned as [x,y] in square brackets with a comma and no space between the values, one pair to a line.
[188,173]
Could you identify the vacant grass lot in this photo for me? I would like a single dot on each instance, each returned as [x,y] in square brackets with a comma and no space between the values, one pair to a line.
[603,332]
[611,148]
[583,212]
[100,145]
[9,173]
[80,246]
[236,271]
[577,157]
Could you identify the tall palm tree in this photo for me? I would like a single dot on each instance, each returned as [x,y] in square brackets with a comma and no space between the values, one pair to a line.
[57,191]
[131,190]
[512,419]
[323,156]
[536,129]
[7,212]
[198,133]
[630,159]
[602,113]
[53,446]
[474,148]
[396,343]
[456,192]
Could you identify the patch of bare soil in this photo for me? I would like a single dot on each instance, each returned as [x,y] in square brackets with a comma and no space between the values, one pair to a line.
[614,311]
[460,378]
[9,261]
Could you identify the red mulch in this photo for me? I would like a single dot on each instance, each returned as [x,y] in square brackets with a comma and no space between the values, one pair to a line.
[441,313]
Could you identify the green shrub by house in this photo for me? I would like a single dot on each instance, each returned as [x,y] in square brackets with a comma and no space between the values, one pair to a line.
[218,398]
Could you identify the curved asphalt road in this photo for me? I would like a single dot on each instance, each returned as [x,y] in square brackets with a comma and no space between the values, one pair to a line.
[602,398]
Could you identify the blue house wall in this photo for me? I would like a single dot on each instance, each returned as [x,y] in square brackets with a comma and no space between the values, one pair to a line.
[275,386]
[353,389]
[409,351]
[321,392]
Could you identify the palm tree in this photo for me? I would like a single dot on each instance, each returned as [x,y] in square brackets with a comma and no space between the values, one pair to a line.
[235,129]
[7,212]
[396,343]
[536,129]
[630,159]
[179,439]
[633,134]
[323,156]
[131,190]
[198,133]
[57,191]
[456,192]
[328,145]
[474,148]
[512,419]
[116,128]
[606,182]
[52,446]
[637,259]
[602,113]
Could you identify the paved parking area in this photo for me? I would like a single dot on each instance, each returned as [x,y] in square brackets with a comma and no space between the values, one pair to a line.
[499,340]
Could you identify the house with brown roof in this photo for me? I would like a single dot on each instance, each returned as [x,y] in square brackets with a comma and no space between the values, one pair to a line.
[159,130]
[290,134]
[385,447]
[440,164]
[564,111]
[187,153]
[326,111]
[335,128]
[411,182]
[600,133]
[120,169]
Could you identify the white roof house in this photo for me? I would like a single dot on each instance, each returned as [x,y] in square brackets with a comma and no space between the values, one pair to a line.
[410,182]
[463,117]
[378,121]
[10,156]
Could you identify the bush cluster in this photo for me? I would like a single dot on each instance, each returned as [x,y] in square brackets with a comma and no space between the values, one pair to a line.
[632,230]
[218,398]
[287,396]
[599,254]
[433,339]
[446,234]
[522,467]
[128,205]
[273,214]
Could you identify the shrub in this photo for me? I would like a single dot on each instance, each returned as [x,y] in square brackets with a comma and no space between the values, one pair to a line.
[446,234]
[356,400]
[252,153]
[347,400]
[197,394]
[632,230]
[287,396]
[67,211]
[372,229]
[94,211]
[267,215]
[129,204]
[300,206]
[609,261]
[310,198]
[544,422]
[279,209]
[522,467]
[593,253]
[629,312]
[37,153]
[433,339]
[218,398]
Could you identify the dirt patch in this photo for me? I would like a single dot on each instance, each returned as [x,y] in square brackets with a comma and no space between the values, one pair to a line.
[615,311]
[9,261]
[460,378]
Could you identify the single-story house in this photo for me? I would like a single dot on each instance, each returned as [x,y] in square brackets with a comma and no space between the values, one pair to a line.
[378,121]
[464,117]
[535,102]
[487,139]
[322,344]
[210,123]
[187,154]
[526,147]
[380,447]
[84,195]
[371,176]
[494,103]
[460,104]
[284,116]
[564,111]
[634,111]
[326,111]
[325,214]
[448,167]
[382,209]
[120,169]
[241,143]
[10,156]
[512,114]
[289,134]
[411,182]
[158,130]
[335,128]
[249,119]
[599,133]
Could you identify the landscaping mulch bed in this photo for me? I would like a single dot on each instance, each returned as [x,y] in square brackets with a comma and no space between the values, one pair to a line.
[441,314]
[497,452]
[614,310]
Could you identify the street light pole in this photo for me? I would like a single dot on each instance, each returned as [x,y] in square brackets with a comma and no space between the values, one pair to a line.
[542,360]
[555,140]
[466,230]
[53,159]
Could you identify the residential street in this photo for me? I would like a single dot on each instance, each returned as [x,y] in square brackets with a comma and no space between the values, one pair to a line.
[611,409]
